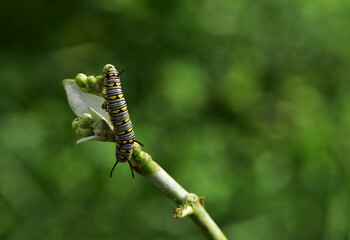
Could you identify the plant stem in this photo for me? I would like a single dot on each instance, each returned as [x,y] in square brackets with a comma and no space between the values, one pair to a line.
[143,164]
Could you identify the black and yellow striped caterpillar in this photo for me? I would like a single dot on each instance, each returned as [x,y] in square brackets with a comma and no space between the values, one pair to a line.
[119,116]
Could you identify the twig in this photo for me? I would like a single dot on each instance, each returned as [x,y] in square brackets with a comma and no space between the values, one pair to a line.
[189,203]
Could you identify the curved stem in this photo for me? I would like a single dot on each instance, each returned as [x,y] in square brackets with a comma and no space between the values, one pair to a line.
[143,164]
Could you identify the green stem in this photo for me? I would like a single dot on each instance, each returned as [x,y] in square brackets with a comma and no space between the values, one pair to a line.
[143,164]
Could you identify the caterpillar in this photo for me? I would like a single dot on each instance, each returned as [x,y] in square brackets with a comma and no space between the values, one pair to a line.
[117,109]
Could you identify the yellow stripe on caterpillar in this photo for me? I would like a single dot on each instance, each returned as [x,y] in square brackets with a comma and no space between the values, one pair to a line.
[116,111]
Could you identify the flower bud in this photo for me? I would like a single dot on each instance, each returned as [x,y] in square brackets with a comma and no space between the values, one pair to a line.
[85,132]
[100,79]
[80,79]
[106,67]
[91,82]
[75,124]
[85,121]
[101,128]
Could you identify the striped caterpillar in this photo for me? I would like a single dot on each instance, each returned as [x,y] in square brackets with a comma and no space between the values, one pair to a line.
[119,116]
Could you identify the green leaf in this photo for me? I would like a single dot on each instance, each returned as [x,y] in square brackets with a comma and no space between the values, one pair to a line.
[80,101]
[91,138]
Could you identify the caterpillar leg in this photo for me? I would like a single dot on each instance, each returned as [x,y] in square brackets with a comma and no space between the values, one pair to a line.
[139,143]
[132,171]
[110,174]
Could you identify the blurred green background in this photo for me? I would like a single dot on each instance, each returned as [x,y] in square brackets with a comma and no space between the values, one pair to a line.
[244,102]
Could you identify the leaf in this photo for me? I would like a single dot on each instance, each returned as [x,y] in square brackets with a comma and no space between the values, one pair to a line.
[91,138]
[97,116]
[80,101]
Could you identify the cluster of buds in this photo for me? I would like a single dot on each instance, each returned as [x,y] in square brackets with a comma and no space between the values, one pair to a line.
[91,84]
[93,127]
[83,125]
[92,123]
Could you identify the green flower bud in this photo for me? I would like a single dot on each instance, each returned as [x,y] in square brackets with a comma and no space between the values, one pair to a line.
[100,79]
[101,128]
[85,121]
[106,66]
[75,124]
[80,79]
[91,82]
[85,132]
